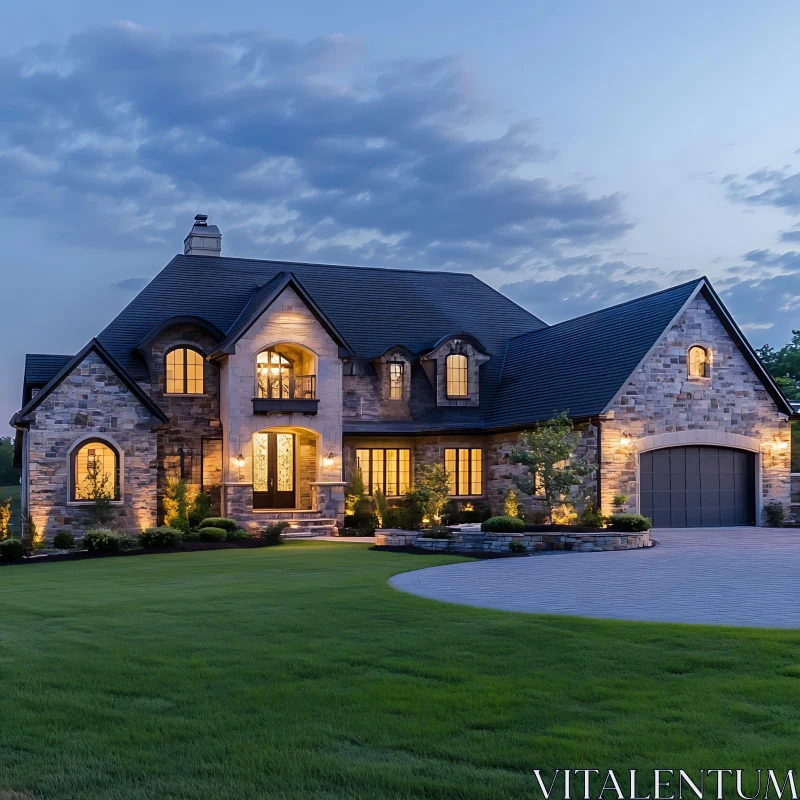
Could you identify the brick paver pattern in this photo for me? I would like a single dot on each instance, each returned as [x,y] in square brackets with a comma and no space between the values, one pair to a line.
[714,576]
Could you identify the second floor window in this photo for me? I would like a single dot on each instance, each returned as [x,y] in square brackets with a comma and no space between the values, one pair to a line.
[396,380]
[387,470]
[465,470]
[184,371]
[275,375]
[457,383]
[698,362]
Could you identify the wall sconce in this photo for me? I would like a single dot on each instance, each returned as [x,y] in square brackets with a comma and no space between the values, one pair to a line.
[780,445]
[327,460]
[625,439]
[239,461]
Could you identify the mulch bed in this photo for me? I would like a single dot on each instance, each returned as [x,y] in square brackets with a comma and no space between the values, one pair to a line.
[185,547]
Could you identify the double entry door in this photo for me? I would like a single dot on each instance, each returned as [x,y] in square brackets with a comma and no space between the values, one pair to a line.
[274,472]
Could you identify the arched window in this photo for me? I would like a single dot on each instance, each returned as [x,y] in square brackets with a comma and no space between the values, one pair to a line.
[184,369]
[698,362]
[95,472]
[275,375]
[457,381]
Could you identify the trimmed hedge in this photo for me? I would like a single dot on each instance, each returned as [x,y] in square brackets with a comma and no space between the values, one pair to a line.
[63,540]
[103,540]
[504,524]
[210,534]
[238,534]
[219,522]
[152,538]
[630,523]
[11,550]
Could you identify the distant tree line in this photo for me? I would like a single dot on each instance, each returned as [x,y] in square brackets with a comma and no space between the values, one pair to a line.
[9,475]
[784,365]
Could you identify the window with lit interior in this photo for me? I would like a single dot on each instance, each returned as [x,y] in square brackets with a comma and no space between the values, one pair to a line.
[184,370]
[396,380]
[386,469]
[457,383]
[698,362]
[464,467]
[95,472]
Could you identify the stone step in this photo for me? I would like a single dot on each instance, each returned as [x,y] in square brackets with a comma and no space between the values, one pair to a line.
[289,516]
[309,532]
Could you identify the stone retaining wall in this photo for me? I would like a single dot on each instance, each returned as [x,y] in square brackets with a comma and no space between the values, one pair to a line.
[480,542]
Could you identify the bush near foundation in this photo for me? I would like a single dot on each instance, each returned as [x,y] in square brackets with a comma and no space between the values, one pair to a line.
[219,522]
[630,523]
[211,534]
[63,540]
[103,540]
[273,534]
[11,550]
[504,524]
[238,535]
[153,538]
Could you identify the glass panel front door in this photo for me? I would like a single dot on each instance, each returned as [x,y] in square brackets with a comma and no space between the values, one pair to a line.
[273,470]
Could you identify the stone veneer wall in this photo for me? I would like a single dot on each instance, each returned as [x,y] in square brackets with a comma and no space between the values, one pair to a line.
[474,361]
[91,402]
[661,398]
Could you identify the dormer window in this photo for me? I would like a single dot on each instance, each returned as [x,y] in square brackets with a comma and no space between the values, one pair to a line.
[184,371]
[396,380]
[457,380]
[698,362]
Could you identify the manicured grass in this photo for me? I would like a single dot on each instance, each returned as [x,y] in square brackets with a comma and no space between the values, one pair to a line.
[297,672]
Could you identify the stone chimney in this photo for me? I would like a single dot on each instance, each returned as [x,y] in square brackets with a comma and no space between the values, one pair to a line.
[203,239]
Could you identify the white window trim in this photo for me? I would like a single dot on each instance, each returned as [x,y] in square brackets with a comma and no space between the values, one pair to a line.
[96,437]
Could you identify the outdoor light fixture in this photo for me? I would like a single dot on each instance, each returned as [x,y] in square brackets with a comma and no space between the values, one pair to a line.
[239,460]
[624,440]
[327,461]
[780,445]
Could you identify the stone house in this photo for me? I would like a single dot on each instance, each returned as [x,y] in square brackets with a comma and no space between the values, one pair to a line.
[266,384]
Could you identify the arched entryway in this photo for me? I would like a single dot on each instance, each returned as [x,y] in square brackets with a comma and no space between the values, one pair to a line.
[699,485]
[284,468]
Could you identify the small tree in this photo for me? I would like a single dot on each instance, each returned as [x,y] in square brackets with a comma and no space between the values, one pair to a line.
[30,534]
[176,505]
[201,509]
[381,506]
[354,493]
[98,485]
[511,504]
[547,452]
[430,492]
[5,517]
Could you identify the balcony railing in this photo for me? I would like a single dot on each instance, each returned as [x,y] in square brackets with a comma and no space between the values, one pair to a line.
[298,394]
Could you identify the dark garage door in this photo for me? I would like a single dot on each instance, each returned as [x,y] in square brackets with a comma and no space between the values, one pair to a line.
[698,486]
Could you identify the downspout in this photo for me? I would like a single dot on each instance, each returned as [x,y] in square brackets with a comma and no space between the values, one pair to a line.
[599,466]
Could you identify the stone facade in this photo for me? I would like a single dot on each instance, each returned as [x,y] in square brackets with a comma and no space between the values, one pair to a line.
[438,357]
[90,403]
[661,399]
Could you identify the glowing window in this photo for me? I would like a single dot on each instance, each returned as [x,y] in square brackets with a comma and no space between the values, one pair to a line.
[388,470]
[698,362]
[184,369]
[275,375]
[396,381]
[464,470]
[95,472]
[457,383]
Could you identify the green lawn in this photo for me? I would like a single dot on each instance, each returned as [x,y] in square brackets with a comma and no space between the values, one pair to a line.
[297,672]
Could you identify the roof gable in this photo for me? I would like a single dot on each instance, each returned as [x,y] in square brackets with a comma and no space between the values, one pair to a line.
[93,346]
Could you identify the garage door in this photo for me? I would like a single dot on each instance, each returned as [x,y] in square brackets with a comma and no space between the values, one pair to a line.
[698,486]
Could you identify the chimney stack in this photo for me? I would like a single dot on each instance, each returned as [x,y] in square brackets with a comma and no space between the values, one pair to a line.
[203,239]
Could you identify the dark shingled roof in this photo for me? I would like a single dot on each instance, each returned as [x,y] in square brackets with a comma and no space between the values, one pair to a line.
[373,308]
[40,368]
[579,365]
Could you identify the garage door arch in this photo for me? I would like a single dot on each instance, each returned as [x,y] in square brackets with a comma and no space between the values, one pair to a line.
[699,484]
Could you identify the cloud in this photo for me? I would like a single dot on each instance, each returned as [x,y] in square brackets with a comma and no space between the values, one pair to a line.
[779,188]
[123,132]
[131,283]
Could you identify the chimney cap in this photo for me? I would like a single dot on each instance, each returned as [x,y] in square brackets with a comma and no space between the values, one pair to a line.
[203,239]
[201,219]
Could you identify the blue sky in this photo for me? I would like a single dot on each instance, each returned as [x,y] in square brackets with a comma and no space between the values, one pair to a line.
[576,154]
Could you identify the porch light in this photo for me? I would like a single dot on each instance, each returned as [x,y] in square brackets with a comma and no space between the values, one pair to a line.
[327,461]
[239,460]
[624,440]
[780,445]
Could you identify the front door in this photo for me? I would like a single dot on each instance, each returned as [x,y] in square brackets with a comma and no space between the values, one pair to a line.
[273,470]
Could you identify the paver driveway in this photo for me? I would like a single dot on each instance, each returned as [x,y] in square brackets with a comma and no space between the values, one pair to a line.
[715,576]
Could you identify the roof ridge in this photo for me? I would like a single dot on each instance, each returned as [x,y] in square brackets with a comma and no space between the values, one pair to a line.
[322,264]
[616,306]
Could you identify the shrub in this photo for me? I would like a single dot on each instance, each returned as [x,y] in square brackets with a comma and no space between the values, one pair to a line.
[518,548]
[5,516]
[630,523]
[209,534]
[364,521]
[103,540]
[428,498]
[437,532]
[564,514]
[11,549]
[273,534]
[591,516]
[511,504]
[619,500]
[381,507]
[219,522]
[504,524]
[238,535]
[63,540]
[201,509]
[176,507]
[159,538]
[775,514]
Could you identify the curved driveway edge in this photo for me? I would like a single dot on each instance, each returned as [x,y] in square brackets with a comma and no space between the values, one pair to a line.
[713,576]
